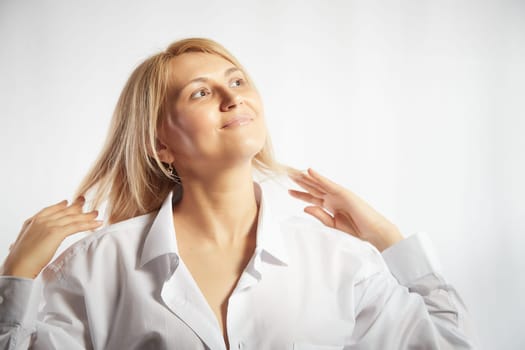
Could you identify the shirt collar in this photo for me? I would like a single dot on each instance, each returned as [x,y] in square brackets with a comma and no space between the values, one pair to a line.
[161,238]
[269,234]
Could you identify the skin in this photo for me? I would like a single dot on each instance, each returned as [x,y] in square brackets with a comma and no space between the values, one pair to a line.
[339,208]
[216,235]
[41,235]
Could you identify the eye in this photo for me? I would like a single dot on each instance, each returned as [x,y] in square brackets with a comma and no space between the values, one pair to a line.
[200,93]
[237,82]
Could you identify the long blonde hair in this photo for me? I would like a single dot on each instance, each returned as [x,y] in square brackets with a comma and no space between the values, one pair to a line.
[128,174]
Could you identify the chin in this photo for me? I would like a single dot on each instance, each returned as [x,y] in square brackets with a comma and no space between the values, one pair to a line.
[253,148]
[245,149]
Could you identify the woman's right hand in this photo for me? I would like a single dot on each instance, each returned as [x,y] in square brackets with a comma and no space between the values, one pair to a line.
[42,234]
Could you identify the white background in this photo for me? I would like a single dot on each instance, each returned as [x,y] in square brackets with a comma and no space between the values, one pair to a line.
[416,105]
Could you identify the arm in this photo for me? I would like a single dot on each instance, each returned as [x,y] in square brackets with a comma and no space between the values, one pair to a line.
[409,305]
[61,324]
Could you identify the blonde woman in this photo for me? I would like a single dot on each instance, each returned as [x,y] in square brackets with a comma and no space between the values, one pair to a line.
[195,254]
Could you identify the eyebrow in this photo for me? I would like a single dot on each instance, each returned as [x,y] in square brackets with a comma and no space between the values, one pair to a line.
[203,79]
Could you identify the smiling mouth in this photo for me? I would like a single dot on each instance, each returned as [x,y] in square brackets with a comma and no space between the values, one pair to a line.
[237,121]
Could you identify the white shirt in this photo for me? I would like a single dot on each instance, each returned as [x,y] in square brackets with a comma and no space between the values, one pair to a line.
[306,287]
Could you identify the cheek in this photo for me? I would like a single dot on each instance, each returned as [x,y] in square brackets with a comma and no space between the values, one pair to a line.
[190,130]
[256,102]
[192,126]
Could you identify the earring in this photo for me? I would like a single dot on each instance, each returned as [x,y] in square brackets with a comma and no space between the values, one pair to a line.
[170,170]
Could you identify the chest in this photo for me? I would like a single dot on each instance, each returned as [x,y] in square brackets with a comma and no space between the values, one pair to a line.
[216,273]
[274,311]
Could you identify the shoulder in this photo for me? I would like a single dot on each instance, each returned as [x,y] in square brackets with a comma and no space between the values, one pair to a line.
[309,241]
[121,240]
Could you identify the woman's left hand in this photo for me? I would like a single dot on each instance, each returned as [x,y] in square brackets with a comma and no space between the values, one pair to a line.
[339,208]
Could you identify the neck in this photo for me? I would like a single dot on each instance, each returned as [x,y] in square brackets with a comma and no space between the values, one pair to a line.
[220,209]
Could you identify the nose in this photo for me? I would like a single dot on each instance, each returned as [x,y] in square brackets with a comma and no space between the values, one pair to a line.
[231,100]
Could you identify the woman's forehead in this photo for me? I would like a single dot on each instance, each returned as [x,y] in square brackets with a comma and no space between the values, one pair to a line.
[195,65]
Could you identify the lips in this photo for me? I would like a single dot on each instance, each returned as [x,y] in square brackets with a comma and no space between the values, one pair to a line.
[237,120]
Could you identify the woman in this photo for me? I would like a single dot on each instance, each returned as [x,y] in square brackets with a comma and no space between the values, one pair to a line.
[197,257]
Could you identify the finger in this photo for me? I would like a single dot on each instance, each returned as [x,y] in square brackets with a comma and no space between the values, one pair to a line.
[72,218]
[74,208]
[74,227]
[331,188]
[347,223]
[306,177]
[321,215]
[309,186]
[326,184]
[307,197]
[80,226]
[27,223]
[52,208]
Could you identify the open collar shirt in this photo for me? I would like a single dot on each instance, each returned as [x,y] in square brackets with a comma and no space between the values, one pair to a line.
[306,287]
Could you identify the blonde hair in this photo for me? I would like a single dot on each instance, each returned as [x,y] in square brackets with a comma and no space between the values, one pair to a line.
[128,174]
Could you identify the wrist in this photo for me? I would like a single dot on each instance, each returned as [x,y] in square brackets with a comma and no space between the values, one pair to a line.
[16,271]
[388,238]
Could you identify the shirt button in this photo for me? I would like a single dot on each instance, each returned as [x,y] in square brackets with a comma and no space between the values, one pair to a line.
[240,345]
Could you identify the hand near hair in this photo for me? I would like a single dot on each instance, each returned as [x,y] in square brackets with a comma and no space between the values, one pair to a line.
[339,208]
[42,234]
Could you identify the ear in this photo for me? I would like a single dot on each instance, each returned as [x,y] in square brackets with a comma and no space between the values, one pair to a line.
[164,153]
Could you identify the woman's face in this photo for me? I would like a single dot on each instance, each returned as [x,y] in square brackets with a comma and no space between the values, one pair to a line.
[214,116]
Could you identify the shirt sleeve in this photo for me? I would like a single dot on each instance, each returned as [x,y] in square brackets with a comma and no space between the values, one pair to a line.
[59,323]
[411,306]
